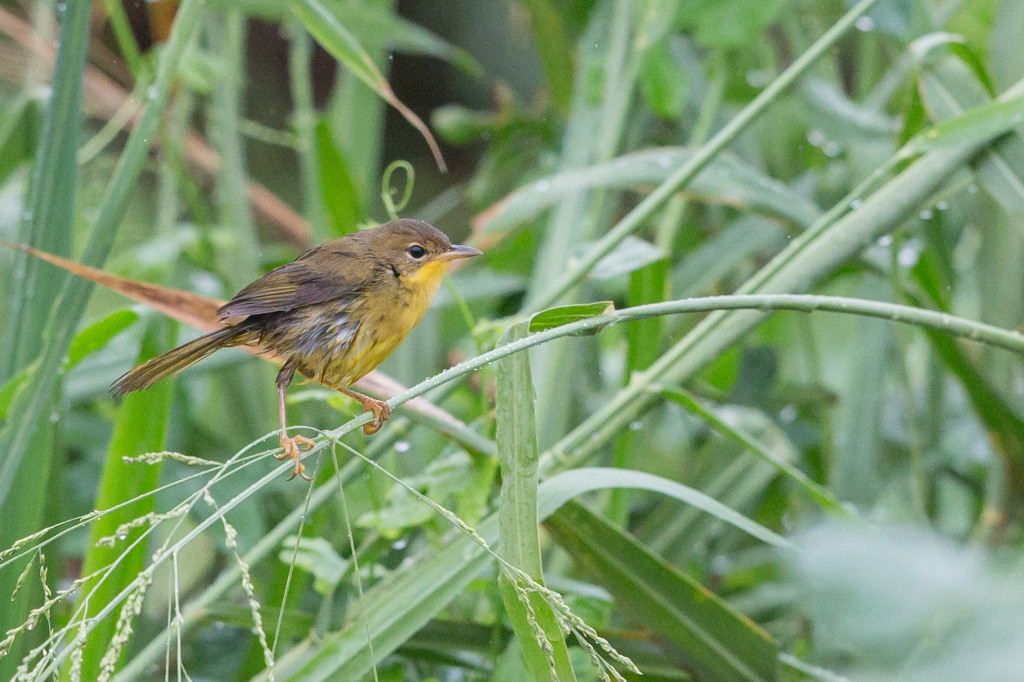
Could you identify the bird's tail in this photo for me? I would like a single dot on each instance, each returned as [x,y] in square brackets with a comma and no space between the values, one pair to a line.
[173,361]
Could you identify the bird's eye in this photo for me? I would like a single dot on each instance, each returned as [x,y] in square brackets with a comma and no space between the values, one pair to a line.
[416,251]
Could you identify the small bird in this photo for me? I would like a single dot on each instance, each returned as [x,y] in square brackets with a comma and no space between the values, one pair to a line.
[333,314]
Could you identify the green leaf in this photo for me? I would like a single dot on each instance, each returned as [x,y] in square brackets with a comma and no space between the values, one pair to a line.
[380,27]
[18,133]
[649,284]
[98,334]
[778,460]
[715,641]
[730,23]
[665,86]
[555,49]
[557,490]
[329,31]
[48,223]
[13,386]
[89,340]
[401,513]
[374,26]
[317,556]
[980,123]
[726,180]
[1005,425]
[340,194]
[857,464]
[630,255]
[951,90]
[516,437]
[139,428]
[410,597]
[567,314]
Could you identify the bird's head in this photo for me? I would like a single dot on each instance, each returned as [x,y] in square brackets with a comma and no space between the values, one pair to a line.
[415,251]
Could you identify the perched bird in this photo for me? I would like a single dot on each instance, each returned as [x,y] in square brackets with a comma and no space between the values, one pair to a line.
[333,314]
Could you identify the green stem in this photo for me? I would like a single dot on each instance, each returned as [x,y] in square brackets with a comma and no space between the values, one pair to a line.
[763,303]
[685,173]
[300,51]
[231,190]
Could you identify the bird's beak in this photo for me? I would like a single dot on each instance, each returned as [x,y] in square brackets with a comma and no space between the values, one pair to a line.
[458,251]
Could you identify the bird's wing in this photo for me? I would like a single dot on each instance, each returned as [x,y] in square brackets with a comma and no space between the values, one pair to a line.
[289,286]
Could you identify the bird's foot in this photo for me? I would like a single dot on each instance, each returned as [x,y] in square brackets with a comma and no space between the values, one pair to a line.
[293,450]
[381,411]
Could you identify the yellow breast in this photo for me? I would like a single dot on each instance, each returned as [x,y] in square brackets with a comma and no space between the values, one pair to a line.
[385,322]
[420,288]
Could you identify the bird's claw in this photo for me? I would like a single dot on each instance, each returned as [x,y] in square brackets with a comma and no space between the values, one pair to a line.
[293,450]
[381,411]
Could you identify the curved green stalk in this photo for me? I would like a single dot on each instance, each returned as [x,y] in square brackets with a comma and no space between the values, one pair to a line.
[763,303]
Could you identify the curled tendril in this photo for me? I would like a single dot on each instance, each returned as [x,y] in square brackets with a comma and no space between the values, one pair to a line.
[387,192]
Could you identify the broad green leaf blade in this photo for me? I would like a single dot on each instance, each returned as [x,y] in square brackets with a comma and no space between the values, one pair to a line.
[516,436]
[567,314]
[138,428]
[1006,426]
[649,284]
[316,556]
[328,30]
[555,49]
[13,386]
[18,133]
[340,194]
[48,222]
[715,640]
[726,180]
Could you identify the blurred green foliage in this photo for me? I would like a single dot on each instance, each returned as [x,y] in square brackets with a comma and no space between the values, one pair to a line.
[671,457]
